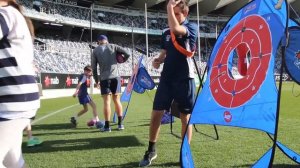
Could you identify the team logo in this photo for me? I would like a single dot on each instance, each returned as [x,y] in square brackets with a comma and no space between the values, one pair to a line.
[47,81]
[146,81]
[227,116]
[72,81]
[69,81]
[51,81]
[295,158]
[297,60]
[88,82]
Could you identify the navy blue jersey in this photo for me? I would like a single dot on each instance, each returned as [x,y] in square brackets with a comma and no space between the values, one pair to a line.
[176,65]
[85,83]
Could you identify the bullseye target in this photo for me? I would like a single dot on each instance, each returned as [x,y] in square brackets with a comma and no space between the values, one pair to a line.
[252,34]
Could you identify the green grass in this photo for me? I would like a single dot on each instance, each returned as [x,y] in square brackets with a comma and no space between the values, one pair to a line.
[65,146]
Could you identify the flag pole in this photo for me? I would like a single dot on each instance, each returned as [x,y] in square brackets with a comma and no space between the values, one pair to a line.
[146,25]
[199,37]
[132,51]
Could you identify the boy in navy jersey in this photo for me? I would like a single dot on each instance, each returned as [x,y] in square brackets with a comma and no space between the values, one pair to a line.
[84,98]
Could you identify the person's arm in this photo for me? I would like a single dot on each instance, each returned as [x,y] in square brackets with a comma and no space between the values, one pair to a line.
[5,24]
[160,59]
[82,80]
[174,25]
[94,67]
[77,89]
[123,51]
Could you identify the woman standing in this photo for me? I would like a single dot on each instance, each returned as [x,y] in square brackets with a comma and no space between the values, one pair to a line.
[19,97]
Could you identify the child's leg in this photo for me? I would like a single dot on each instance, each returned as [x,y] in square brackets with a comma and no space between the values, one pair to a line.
[28,130]
[11,132]
[93,105]
[106,109]
[84,110]
[118,107]
[32,141]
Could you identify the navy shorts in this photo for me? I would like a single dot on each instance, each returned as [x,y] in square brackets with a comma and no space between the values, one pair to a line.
[183,92]
[110,86]
[84,99]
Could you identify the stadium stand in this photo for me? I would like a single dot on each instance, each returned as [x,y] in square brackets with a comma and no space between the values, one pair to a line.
[111,17]
[60,56]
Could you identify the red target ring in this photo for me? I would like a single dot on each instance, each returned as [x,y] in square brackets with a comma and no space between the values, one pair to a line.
[253,31]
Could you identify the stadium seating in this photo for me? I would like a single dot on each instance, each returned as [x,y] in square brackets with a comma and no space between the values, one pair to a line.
[81,15]
[60,56]
[70,57]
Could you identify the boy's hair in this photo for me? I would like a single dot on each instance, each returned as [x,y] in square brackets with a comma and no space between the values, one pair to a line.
[88,68]
[183,5]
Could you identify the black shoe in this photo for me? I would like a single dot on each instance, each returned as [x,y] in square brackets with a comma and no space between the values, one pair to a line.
[73,121]
[148,157]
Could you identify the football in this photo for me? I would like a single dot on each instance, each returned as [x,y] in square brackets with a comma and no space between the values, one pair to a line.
[91,123]
[121,58]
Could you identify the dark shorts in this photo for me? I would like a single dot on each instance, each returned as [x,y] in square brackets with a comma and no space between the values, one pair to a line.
[110,86]
[183,92]
[4,119]
[84,99]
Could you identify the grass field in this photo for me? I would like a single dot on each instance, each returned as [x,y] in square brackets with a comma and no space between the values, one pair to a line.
[65,146]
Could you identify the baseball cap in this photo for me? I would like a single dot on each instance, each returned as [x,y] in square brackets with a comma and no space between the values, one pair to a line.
[102,37]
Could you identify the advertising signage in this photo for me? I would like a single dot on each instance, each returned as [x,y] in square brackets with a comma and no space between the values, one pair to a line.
[64,81]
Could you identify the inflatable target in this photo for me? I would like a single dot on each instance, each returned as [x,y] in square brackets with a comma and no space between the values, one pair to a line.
[251,35]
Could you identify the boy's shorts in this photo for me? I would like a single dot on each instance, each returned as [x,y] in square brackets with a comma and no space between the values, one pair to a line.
[84,99]
[183,92]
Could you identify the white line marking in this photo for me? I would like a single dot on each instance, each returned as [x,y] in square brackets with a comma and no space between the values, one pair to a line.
[52,113]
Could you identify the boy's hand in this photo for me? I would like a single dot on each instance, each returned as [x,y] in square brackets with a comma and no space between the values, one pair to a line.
[173,3]
[98,85]
[74,95]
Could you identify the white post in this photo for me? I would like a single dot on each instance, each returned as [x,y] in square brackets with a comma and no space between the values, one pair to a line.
[91,43]
[132,51]
[146,25]
[199,37]
[217,27]
[216,31]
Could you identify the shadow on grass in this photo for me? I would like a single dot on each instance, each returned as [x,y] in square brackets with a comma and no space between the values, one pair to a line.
[136,164]
[275,166]
[285,166]
[84,144]
[61,126]
[54,126]
[142,125]
[86,131]
[213,137]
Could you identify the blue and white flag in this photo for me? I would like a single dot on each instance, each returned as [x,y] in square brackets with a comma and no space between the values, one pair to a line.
[292,52]
[140,80]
